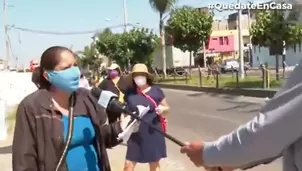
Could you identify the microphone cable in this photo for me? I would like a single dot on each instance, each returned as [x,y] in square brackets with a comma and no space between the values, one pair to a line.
[72,101]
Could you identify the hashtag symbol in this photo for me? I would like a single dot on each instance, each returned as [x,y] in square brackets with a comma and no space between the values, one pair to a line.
[211,6]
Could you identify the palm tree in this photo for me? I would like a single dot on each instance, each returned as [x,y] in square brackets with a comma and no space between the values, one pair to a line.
[162,7]
[89,58]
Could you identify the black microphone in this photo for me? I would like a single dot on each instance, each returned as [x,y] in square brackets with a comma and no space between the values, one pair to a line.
[113,113]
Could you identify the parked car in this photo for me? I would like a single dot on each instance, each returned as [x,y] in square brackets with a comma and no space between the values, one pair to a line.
[12,69]
[232,66]
[229,66]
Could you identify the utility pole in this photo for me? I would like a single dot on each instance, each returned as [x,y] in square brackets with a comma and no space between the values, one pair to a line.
[240,42]
[125,15]
[204,54]
[125,26]
[6,47]
[163,47]
[250,37]
[249,22]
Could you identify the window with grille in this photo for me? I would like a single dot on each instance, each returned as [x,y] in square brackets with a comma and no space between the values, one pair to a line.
[221,40]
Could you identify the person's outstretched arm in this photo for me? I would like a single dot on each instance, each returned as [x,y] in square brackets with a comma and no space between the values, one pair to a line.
[275,128]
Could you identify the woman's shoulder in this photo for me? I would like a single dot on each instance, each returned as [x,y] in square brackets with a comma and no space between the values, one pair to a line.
[33,101]
[156,91]
[34,96]
[156,88]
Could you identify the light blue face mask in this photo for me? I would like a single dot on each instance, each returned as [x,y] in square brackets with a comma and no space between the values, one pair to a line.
[67,80]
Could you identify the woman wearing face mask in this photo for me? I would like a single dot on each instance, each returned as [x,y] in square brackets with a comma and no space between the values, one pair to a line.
[115,83]
[146,145]
[42,121]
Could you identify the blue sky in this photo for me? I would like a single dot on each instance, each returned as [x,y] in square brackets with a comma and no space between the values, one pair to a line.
[72,15]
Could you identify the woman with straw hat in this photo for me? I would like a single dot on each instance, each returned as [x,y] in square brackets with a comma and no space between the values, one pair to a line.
[146,145]
[115,83]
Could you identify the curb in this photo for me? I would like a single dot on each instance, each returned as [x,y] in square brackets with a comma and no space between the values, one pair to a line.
[262,93]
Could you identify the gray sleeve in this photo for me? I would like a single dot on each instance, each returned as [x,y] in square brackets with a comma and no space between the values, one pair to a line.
[277,126]
[260,162]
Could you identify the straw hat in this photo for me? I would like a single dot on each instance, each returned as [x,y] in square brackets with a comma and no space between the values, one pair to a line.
[113,66]
[141,68]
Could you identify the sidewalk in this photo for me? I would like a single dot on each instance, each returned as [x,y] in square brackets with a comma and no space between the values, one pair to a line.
[5,154]
[116,155]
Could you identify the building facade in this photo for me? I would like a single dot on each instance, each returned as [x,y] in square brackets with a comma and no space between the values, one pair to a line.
[233,21]
[221,46]
[224,43]
[220,25]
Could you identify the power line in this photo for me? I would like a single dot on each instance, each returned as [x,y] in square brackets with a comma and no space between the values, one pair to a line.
[66,33]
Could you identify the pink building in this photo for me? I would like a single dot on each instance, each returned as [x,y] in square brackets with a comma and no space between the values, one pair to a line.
[220,44]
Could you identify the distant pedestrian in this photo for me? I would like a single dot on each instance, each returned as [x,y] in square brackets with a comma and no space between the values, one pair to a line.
[84,83]
[116,83]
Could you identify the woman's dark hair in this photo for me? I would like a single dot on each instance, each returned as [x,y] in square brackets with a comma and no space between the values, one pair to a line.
[49,60]
[119,71]
[35,77]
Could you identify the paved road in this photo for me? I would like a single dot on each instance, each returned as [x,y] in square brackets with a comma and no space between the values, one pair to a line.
[198,115]
[194,116]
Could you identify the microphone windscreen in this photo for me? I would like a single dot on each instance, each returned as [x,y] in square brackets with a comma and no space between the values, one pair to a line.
[105,98]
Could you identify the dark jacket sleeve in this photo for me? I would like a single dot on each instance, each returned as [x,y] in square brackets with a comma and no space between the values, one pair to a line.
[24,145]
[109,132]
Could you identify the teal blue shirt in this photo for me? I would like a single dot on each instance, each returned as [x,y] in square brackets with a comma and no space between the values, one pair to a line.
[82,155]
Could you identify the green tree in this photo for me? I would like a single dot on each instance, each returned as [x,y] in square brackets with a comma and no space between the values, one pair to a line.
[189,28]
[114,46]
[142,44]
[89,58]
[162,7]
[271,29]
[131,47]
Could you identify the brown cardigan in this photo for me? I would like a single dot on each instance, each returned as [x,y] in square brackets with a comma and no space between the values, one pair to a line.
[38,139]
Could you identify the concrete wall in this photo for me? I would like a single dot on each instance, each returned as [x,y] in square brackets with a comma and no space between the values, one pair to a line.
[13,88]
[293,56]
